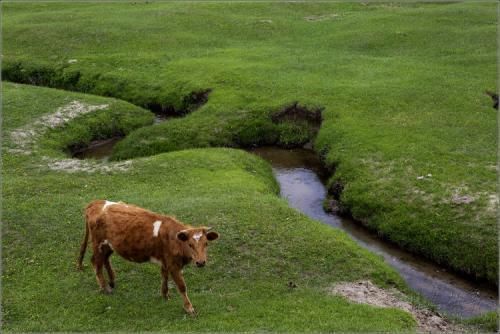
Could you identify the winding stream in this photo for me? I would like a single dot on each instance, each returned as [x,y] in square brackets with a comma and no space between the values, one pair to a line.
[301,177]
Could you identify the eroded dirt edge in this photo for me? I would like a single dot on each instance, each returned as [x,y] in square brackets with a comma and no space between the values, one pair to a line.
[24,140]
[365,292]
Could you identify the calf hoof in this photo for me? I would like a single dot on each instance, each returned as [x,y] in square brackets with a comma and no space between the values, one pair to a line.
[112,285]
[107,290]
[189,310]
[166,296]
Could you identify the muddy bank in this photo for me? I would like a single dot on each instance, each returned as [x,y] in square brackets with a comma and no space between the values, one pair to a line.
[97,149]
[300,175]
[64,76]
[101,149]
[365,292]
[189,103]
[290,126]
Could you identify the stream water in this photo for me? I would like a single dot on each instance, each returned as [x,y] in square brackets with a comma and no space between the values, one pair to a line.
[99,149]
[301,177]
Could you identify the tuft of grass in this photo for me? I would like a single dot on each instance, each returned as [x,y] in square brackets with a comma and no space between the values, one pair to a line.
[487,322]
[293,133]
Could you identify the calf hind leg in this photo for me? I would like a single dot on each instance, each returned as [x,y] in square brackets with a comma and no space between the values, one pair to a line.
[109,268]
[98,262]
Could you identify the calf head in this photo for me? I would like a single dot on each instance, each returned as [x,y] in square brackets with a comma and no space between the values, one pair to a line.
[195,242]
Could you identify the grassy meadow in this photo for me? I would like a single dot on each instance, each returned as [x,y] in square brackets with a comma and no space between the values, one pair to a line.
[406,126]
[263,246]
[406,123]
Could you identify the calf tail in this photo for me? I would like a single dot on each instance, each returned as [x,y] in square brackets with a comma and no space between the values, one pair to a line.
[83,247]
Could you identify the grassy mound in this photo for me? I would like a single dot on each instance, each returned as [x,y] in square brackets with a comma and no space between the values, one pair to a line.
[405,118]
[211,127]
[53,134]
[264,244]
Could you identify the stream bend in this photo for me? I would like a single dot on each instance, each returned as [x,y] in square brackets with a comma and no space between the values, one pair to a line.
[301,177]
[300,173]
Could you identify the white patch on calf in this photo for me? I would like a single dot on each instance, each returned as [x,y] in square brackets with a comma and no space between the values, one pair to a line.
[106,242]
[156,228]
[155,260]
[108,203]
[197,236]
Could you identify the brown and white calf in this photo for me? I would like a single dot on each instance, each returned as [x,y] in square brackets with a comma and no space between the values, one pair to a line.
[140,235]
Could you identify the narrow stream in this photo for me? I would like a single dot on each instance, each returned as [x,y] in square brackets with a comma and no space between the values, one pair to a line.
[301,177]
[99,149]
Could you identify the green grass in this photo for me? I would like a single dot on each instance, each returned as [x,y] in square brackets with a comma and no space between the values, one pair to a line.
[402,87]
[487,322]
[263,245]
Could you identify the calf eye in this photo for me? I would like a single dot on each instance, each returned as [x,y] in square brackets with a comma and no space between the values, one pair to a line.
[191,245]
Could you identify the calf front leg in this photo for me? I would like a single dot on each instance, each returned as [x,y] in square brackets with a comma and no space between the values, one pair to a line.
[181,286]
[164,282]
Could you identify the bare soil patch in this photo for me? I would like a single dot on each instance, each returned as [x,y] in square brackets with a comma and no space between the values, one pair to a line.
[24,140]
[89,166]
[365,292]
[296,112]
[493,202]
[190,103]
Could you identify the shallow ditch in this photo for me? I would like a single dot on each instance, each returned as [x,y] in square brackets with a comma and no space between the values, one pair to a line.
[64,77]
[102,149]
[302,179]
[98,149]
[301,176]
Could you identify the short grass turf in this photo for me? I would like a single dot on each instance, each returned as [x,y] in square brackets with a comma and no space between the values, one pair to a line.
[263,245]
[406,121]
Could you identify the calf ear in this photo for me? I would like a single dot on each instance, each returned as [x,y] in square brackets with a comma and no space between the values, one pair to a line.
[212,235]
[182,235]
